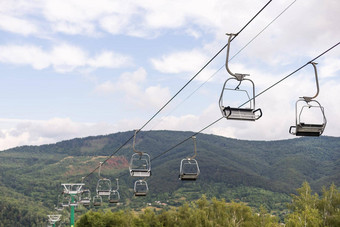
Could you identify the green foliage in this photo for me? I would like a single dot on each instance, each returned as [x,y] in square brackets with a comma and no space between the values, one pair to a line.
[311,210]
[257,173]
[202,213]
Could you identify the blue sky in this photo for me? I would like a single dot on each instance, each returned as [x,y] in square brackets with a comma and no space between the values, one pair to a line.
[76,68]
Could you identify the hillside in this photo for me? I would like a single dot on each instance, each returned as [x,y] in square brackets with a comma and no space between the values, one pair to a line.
[256,172]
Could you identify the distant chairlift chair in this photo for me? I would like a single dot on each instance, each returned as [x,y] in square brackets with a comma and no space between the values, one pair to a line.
[141,188]
[189,169]
[85,197]
[103,184]
[140,165]
[114,194]
[97,200]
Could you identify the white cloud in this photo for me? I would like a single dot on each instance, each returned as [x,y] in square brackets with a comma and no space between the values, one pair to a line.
[62,57]
[110,60]
[178,62]
[73,29]
[136,18]
[292,37]
[16,132]
[131,85]
[17,25]
[114,24]
[329,67]
[24,55]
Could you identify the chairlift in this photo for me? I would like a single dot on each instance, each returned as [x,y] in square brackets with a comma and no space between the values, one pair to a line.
[114,194]
[141,188]
[74,199]
[59,206]
[85,197]
[65,200]
[308,105]
[104,187]
[238,113]
[189,169]
[103,184]
[140,165]
[97,200]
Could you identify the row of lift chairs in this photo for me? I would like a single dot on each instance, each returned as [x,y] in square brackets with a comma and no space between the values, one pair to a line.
[140,164]
[310,119]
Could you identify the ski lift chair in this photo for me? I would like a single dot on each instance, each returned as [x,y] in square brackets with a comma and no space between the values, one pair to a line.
[189,169]
[97,200]
[85,197]
[140,165]
[65,200]
[74,201]
[114,194]
[309,129]
[238,113]
[103,185]
[141,188]
[59,206]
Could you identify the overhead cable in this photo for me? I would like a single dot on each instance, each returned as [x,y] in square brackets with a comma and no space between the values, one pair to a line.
[182,88]
[214,74]
[211,124]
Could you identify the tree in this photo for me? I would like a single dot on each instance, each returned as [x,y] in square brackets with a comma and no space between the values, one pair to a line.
[329,206]
[305,212]
[264,219]
[239,214]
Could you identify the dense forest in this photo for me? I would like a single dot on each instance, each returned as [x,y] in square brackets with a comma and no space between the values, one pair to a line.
[306,209]
[253,173]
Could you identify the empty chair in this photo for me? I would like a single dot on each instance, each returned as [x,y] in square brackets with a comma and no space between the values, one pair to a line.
[314,128]
[141,188]
[310,119]
[114,194]
[103,185]
[74,199]
[85,197]
[59,206]
[97,200]
[189,169]
[238,112]
[140,165]
[65,200]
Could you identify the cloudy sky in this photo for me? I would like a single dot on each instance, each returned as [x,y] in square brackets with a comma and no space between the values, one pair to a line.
[76,68]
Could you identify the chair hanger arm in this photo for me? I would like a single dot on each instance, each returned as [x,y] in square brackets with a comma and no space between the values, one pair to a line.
[307,98]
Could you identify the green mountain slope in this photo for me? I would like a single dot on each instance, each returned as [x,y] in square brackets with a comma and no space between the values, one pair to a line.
[257,172]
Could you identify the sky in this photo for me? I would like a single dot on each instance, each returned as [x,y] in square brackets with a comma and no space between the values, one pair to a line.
[77,68]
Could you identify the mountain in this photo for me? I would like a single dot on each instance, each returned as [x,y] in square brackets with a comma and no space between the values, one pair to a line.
[257,172]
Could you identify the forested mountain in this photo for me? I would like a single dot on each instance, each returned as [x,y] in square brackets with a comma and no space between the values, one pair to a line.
[256,172]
